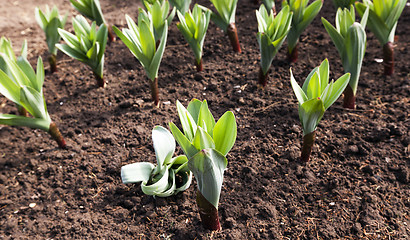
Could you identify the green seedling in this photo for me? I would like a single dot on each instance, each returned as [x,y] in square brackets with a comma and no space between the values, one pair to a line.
[315,97]
[169,177]
[50,22]
[181,5]
[87,45]
[225,19]
[194,26]
[272,32]
[343,3]
[206,144]
[25,88]
[270,4]
[141,42]
[303,15]
[383,17]
[158,13]
[350,40]
[91,9]
[7,49]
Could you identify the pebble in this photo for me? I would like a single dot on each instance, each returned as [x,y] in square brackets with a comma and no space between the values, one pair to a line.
[353,149]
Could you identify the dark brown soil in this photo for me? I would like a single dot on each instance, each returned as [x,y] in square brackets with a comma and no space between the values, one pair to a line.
[355,187]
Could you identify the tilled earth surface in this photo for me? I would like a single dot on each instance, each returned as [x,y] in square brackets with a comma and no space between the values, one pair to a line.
[356,185]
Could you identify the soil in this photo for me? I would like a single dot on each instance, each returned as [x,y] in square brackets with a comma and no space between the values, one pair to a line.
[355,187]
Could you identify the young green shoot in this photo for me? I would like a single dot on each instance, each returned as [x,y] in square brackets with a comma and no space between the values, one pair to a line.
[225,19]
[170,176]
[303,15]
[315,97]
[91,9]
[87,45]
[181,5]
[141,42]
[50,22]
[343,3]
[349,38]
[270,4]
[271,34]
[383,17]
[193,25]
[7,49]
[206,144]
[25,88]
[158,13]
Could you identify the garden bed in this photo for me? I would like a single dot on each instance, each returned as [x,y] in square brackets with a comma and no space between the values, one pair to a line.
[356,185]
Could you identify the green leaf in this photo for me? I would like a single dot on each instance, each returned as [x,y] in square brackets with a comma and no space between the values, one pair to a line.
[36,123]
[202,140]
[40,18]
[337,39]
[208,166]
[136,172]
[313,89]
[39,75]
[33,102]
[164,145]
[310,113]
[188,123]
[224,133]
[194,107]
[337,90]
[27,70]
[9,88]
[72,52]
[69,38]
[300,95]
[205,118]
[52,35]
[156,60]
[185,144]
[158,186]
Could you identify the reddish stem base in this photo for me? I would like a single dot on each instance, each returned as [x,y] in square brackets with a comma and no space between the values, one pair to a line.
[155,92]
[52,60]
[308,141]
[233,37]
[111,35]
[293,55]
[199,66]
[263,78]
[56,135]
[388,58]
[208,213]
[349,100]
[100,81]
[22,111]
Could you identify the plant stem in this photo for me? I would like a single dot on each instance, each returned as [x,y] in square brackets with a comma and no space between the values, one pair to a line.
[56,135]
[22,111]
[349,98]
[263,78]
[52,60]
[100,81]
[208,213]
[388,58]
[293,54]
[154,92]
[199,66]
[111,35]
[233,37]
[308,141]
